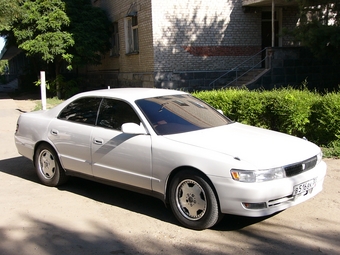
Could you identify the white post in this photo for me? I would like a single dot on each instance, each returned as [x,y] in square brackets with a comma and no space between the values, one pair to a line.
[43,89]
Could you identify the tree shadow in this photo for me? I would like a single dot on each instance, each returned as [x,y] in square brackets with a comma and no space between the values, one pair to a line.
[51,238]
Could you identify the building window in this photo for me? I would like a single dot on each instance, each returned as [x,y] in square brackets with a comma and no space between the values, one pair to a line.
[131,34]
[114,40]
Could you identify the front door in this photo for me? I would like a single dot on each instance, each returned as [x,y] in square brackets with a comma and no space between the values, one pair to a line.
[266,32]
[116,156]
[266,29]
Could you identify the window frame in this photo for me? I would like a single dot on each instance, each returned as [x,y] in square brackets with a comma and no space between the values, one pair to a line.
[131,34]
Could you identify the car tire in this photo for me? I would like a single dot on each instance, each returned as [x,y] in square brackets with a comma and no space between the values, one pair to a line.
[48,167]
[193,201]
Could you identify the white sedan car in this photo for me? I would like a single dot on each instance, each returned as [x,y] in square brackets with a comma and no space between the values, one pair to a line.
[173,146]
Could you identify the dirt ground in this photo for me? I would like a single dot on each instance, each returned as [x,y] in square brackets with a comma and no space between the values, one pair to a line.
[83,217]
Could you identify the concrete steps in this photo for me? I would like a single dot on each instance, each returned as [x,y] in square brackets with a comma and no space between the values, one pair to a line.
[246,78]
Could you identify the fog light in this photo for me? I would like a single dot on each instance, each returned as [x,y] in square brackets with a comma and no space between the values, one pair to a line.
[254,206]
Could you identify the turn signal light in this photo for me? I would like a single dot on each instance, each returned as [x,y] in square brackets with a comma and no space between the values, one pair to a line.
[255,206]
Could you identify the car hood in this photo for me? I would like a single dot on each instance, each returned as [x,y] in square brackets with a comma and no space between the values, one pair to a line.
[259,147]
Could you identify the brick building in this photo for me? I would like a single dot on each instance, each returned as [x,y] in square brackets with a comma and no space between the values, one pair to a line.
[189,43]
[200,44]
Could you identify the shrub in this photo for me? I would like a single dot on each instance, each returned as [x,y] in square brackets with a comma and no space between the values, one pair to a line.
[218,99]
[296,112]
[289,110]
[325,119]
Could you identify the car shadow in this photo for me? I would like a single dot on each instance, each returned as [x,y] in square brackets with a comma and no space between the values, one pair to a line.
[114,196]
[235,222]
[20,167]
[132,201]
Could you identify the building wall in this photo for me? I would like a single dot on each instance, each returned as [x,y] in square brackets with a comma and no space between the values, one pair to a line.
[196,41]
[183,44]
[203,35]
[126,69]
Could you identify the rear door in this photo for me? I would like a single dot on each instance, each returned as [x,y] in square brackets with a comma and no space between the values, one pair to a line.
[71,134]
[117,156]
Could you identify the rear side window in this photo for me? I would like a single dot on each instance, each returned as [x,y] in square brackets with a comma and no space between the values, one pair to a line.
[83,110]
[114,113]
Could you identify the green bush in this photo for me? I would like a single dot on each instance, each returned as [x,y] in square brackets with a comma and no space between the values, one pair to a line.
[289,110]
[325,119]
[249,108]
[296,112]
[239,105]
[218,99]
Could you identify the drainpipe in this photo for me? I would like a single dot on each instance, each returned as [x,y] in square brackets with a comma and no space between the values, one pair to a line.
[273,23]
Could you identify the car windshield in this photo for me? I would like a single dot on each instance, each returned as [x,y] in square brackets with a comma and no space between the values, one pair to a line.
[180,113]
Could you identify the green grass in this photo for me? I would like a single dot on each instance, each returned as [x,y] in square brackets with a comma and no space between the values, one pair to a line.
[50,103]
[332,150]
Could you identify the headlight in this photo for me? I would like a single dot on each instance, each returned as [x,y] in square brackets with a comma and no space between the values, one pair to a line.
[319,157]
[257,175]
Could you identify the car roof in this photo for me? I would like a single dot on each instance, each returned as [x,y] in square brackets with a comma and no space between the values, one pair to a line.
[131,94]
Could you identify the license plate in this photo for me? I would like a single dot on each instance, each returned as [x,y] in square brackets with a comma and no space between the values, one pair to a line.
[304,187]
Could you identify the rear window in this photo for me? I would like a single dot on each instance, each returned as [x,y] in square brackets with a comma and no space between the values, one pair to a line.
[180,113]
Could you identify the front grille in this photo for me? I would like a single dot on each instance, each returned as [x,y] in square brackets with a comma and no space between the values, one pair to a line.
[300,167]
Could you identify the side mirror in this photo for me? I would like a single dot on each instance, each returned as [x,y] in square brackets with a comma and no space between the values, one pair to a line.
[133,129]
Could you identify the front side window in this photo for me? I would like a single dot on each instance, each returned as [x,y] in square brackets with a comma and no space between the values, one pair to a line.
[131,34]
[180,113]
[83,110]
[114,113]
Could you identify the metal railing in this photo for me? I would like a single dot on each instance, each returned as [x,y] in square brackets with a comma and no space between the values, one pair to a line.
[254,62]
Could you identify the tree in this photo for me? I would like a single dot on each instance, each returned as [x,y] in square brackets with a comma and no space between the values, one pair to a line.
[39,30]
[59,32]
[9,11]
[3,67]
[319,27]
[90,28]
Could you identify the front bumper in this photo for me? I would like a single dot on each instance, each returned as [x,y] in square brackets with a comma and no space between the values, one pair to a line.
[274,195]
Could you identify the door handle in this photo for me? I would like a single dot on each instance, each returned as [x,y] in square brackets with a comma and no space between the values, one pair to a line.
[54,132]
[98,141]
